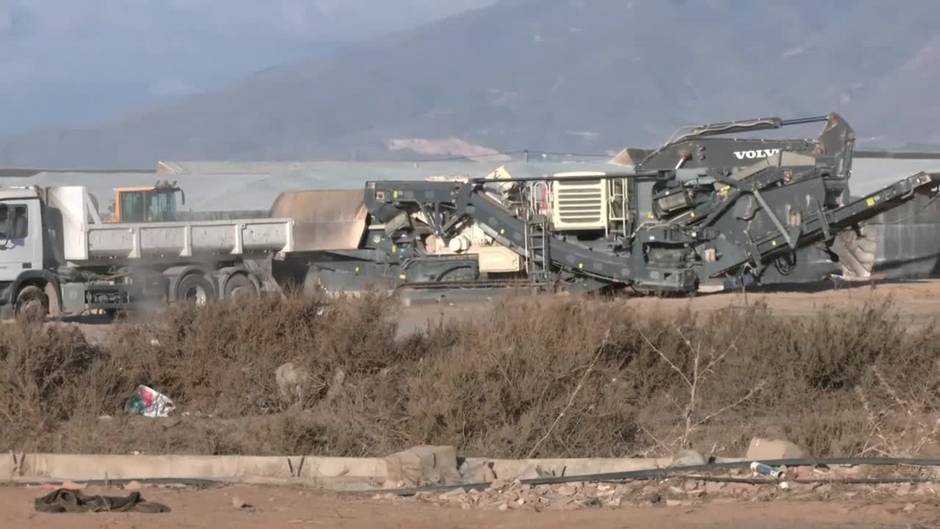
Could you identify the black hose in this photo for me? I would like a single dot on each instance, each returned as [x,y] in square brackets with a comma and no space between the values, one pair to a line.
[793,462]
[683,471]
[836,481]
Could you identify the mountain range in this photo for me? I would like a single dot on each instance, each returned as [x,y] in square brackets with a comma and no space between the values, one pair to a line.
[579,76]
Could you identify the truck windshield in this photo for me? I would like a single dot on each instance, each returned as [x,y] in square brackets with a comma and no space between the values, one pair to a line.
[132,207]
[162,206]
[14,223]
[148,206]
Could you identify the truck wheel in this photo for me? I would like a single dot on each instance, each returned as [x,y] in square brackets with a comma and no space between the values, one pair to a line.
[31,304]
[239,285]
[194,289]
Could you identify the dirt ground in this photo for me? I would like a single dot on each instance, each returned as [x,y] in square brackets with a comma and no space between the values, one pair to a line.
[918,301]
[288,507]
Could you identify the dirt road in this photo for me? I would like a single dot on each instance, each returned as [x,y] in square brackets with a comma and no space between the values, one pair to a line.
[917,301]
[271,507]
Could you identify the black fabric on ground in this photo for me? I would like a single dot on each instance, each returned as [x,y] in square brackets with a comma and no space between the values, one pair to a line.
[63,500]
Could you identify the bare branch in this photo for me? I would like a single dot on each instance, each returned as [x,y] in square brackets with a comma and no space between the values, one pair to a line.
[716,359]
[653,437]
[893,394]
[666,359]
[674,402]
[571,397]
[734,404]
[687,342]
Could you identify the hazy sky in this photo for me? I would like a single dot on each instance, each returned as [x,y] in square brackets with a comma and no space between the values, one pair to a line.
[79,62]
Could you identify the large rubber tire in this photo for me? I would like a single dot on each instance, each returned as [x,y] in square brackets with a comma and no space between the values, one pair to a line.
[194,289]
[31,304]
[857,253]
[238,285]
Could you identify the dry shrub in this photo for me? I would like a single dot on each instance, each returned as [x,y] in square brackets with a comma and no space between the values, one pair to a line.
[810,372]
[666,382]
[544,376]
[503,379]
[40,386]
[220,360]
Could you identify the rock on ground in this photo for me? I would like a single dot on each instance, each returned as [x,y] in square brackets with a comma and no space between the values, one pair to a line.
[423,465]
[768,449]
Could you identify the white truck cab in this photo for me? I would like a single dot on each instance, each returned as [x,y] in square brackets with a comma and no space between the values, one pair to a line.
[20,233]
[22,250]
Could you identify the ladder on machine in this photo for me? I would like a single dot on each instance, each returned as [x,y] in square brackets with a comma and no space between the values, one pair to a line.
[538,258]
[618,207]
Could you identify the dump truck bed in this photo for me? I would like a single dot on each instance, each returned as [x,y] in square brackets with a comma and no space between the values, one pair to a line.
[183,239]
[86,239]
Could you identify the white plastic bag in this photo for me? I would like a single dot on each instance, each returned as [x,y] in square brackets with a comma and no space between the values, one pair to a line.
[149,403]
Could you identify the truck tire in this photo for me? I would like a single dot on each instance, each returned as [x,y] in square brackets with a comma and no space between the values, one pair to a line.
[31,304]
[238,285]
[194,289]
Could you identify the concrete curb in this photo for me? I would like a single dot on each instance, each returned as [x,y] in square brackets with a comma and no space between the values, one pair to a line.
[331,473]
[339,473]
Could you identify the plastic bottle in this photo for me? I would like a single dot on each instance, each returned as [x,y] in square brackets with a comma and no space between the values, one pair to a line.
[766,470]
